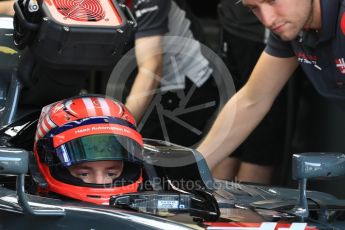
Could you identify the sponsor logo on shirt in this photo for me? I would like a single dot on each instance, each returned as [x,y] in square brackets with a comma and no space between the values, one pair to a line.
[139,2]
[340,63]
[306,58]
[139,13]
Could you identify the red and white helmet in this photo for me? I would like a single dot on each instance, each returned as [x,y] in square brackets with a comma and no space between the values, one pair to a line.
[83,129]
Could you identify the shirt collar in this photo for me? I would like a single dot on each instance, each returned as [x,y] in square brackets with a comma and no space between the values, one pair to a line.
[329,17]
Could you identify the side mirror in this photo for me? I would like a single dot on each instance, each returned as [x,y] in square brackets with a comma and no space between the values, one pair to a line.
[314,166]
[15,162]
[318,165]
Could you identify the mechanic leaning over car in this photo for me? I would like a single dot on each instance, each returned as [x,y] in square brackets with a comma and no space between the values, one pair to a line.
[243,38]
[159,22]
[309,33]
[86,148]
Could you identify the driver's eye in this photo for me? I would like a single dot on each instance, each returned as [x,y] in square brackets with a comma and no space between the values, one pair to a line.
[83,174]
[112,174]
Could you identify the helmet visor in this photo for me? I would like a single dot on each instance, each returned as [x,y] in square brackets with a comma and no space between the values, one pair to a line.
[98,148]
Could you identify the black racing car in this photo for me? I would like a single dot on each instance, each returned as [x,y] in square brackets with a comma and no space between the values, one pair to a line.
[170,199]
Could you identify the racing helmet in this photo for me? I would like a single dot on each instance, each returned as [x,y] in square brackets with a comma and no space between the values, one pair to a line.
[82,129]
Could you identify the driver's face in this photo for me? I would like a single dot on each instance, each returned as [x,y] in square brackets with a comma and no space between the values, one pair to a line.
[97,172]
[286,18]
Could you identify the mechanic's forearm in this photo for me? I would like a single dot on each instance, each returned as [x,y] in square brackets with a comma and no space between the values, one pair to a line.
[149,56]
[142,92]
[247,108]
[235,122]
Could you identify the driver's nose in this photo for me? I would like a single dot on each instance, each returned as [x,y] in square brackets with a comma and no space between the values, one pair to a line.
[102,178]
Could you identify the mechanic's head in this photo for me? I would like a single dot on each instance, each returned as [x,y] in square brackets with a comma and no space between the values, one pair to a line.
[87,148]
[286,18]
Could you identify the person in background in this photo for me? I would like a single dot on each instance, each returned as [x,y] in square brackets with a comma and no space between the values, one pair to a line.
[242,42]
[308,33]
[171,75]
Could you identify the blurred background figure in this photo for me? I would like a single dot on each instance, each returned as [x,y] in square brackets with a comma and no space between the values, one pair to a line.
[242,39]
[173,83]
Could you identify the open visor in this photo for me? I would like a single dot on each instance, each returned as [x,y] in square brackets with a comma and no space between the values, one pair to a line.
[97,148]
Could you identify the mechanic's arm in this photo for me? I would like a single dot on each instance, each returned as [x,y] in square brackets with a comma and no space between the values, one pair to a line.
[149,55]
[6,7]
[244,111]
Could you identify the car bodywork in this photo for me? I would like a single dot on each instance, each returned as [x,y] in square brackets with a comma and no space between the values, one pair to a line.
[210,203]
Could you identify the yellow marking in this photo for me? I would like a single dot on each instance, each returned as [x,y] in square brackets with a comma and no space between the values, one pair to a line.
[7,50]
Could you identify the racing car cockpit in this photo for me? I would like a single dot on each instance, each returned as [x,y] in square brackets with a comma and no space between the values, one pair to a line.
[60,44]
[171,198]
